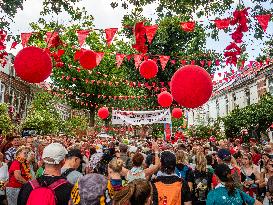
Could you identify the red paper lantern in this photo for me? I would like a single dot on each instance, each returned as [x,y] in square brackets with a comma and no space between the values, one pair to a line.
[148,69]
[165,99]
[103,113]
[191,86]
[177,113]
[33,64]
[88,59]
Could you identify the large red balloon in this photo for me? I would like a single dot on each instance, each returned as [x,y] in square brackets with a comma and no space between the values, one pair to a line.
[148,69]
[177,113]
[191,86]
[88,59]
[103,113]
[33,64]
[165,99]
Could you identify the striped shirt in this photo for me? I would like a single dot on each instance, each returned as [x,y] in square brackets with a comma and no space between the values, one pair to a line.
[9,154]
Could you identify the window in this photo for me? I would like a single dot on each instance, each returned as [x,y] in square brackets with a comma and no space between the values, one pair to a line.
[226,101]
[2,92]
[247,94]
[270,86]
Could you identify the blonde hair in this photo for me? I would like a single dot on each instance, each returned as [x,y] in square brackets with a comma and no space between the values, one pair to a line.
[116,165]
[201,162]
[181,157]
[20,149]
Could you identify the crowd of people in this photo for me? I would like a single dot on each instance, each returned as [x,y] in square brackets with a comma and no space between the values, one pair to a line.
[98,171]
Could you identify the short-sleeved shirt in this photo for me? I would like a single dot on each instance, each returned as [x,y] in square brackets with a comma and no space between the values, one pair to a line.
[9,154]
[13,182]
[62,193]
[220,196]
[73,176]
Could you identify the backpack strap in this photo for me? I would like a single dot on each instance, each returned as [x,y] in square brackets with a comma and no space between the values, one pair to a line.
[57,184]
[67,172]
[34,184]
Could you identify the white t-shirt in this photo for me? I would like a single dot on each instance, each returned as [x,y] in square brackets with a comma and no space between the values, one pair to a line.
[4,175]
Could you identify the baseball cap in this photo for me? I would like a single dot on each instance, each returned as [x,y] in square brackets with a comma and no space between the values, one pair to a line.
[224,154]
[74,153]
[91,188]
[54,153]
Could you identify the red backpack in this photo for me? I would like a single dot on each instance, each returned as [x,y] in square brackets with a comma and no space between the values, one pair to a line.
[44,195]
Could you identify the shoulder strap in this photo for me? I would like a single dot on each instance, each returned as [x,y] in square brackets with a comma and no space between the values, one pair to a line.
[57,184]
[34,184]
[67,172]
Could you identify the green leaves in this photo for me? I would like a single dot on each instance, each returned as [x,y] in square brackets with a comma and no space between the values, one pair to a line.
[5,122]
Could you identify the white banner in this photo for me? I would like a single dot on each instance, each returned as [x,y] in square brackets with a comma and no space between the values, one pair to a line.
[140,117]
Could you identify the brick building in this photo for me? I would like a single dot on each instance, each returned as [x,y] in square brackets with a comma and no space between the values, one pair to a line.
[15,92]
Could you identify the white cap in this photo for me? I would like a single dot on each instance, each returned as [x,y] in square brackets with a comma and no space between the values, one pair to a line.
[54,153]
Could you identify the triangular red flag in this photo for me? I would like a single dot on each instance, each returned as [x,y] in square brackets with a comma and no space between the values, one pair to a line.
[137,59]
[13,45]
[188,26]
[82,35]
[99,57]
[163,61]
[52,38]
[119,59]
[263,20]
[150,32]
[110,33]
[222,23]
[24,38]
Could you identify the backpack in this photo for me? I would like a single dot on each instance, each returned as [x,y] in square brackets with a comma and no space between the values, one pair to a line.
[236,175]
[182,173]
[269,185]
[201,185]
[168,194]
[44,195]
[67,172]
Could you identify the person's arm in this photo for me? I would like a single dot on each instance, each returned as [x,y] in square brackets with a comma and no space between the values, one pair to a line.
[257,203]
[18,177]
[150,171]
[186,194]
[257,176]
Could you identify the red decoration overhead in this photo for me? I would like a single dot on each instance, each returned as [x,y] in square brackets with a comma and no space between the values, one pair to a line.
[82,35]
[240,18]
[24,38]
[222,23]
[191,86]
[150,32]
[263,20]
[13,45]
[99,57]
[88,59]
[138,58]
[140,38]
[119,59]
[177,113]
[103,113]
[164,60]
[110,33]
[188,26]
[165,99]
[33,64]
[148,69]
[53,39]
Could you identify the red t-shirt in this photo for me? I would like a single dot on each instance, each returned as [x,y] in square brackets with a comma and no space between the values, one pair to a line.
[15,165]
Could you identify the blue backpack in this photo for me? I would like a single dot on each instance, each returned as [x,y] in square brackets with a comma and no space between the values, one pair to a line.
[182,173]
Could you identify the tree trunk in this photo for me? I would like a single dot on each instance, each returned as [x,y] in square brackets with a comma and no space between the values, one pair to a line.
[92,117]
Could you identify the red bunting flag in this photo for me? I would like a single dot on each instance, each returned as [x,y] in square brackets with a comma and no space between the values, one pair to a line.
[110,33]
[202,63]
[183,62]
[222,23]
[163,61]
[52,39]
[209,63]
[138,59]
[24,38]
[188,26]
[150,32]
[13,45]
[82,35]
[99,57]
[119,59]
[263,20]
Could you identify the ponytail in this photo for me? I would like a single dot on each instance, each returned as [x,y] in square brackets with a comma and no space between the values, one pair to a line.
[123,196]
[230,184]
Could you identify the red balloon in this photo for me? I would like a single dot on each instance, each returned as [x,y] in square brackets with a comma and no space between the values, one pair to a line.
[165,99]
[177,113]
[148,69]
[191,86]
[33,64]
[88,59]
[103,113]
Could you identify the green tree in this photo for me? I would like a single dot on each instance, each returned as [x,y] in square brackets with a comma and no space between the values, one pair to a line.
[75,125]
[42,114]
[5,122]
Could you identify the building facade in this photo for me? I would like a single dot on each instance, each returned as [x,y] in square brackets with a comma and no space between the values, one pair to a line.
[240,92]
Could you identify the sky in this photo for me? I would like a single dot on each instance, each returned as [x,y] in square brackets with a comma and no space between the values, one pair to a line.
[105,16]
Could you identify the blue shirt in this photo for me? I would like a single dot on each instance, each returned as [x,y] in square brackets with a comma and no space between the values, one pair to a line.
[219,196]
